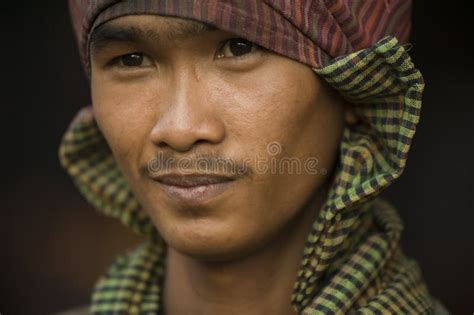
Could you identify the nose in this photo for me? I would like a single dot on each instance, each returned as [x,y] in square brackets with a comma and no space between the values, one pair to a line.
[187,117]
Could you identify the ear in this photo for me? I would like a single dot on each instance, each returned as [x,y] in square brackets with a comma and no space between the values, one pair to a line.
[350,116]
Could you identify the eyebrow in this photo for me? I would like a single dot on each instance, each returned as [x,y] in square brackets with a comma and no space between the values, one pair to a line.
[106,34]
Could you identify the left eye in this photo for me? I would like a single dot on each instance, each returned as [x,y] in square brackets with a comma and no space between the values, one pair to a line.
[236,47]
[133,60]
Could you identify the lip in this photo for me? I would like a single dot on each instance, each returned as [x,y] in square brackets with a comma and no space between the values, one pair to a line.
[194,189]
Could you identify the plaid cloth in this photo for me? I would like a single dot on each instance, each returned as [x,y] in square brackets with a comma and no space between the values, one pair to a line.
[352,262]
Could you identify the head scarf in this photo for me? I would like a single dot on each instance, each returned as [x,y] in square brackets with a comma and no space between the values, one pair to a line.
[352,261]
[309,31]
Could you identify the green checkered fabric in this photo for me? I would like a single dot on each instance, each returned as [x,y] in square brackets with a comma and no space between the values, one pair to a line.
[352,262]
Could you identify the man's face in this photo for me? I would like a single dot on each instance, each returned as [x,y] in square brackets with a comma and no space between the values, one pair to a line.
[174,99]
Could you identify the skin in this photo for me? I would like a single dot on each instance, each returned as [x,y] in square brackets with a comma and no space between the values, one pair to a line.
[237,253]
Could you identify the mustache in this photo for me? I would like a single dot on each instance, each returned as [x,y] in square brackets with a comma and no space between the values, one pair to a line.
[203,163]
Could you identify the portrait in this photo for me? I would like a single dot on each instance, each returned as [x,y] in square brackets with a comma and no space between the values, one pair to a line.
[243,157]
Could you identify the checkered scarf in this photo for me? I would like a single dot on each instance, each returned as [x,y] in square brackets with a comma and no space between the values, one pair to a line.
[352,261]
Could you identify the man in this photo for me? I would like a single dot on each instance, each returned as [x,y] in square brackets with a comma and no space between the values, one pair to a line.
[248,141]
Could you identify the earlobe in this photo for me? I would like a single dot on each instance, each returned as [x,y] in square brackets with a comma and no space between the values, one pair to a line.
[350,116]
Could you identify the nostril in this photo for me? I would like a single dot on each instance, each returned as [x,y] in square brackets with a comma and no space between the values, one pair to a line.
[164,144]
[201,141]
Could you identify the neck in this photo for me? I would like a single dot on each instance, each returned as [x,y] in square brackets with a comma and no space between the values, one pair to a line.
[260,283]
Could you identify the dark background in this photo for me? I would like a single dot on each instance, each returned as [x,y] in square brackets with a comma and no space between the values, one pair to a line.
[54,246]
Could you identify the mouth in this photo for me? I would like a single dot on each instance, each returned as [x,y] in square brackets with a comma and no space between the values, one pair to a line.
[194,189]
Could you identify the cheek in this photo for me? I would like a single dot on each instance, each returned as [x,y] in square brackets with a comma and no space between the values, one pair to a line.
[284,102]
[125,117]
[284,107]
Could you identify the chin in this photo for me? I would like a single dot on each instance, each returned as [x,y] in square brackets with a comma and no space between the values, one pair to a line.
[205,240]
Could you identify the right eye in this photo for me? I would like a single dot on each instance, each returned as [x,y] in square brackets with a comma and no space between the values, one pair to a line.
[133,60]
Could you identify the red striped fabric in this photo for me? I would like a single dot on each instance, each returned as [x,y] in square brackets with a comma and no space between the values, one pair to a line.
[310,31]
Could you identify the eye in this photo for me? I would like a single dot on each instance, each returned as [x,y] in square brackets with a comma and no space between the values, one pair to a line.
[133,60]
[236,47]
